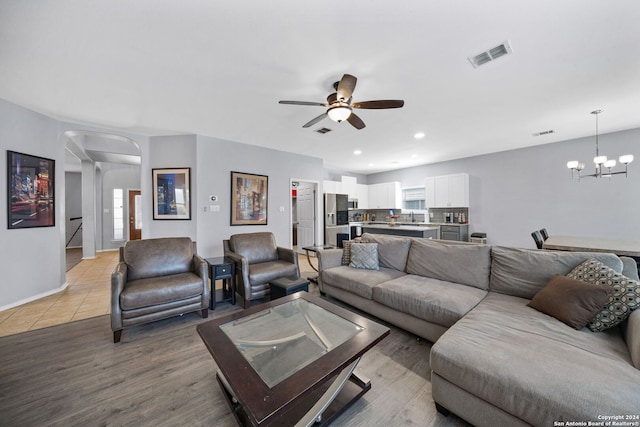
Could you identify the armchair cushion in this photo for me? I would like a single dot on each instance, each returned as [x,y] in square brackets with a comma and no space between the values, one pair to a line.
[255,247]
[160,290]
[267,271]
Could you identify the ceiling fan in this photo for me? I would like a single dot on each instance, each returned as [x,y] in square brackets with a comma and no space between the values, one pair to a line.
[341,107]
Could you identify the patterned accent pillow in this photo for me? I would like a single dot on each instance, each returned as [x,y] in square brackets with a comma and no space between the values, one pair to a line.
[365,256]
[625,297]
[346,252]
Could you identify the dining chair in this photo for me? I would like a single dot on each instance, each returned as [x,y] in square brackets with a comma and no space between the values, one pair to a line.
[544,233]
[537,237]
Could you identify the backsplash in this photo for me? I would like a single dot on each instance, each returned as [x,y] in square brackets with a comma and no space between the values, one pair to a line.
[435,215]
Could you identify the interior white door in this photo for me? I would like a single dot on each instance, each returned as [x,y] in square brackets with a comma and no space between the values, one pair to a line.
[306,215]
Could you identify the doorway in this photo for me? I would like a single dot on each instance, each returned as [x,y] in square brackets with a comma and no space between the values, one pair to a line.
[304,222]
[135,215]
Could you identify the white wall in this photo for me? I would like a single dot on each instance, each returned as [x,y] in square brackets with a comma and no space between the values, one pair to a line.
[216,159]
[31,259]
[515,192]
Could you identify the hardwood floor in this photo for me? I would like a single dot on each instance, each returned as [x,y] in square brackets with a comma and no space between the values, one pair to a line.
[161,374]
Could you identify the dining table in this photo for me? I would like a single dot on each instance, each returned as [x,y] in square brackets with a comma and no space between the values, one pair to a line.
[620,247]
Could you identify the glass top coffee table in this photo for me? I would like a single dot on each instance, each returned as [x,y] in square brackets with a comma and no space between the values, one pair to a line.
[290,361]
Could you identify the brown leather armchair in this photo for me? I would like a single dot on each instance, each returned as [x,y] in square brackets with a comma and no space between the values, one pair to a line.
[156,279]
[258,260]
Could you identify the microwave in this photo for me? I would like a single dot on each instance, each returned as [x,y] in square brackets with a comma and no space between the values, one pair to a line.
[353,203]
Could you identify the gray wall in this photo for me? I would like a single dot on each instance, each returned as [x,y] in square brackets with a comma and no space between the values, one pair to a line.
[177,151]
[216,159]
[73,208]
[515,192]
[31,259]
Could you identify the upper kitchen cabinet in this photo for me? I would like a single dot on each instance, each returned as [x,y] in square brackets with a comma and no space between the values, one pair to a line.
[387,195]
[332,187]
[430,191]
[350,186]
[451,191]
[362,194]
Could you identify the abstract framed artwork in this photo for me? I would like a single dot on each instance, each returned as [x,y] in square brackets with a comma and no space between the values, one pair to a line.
[30,191]
[171,193]
[249,197]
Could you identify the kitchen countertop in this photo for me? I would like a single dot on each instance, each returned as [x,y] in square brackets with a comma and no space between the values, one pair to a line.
[409,224]
[402,227]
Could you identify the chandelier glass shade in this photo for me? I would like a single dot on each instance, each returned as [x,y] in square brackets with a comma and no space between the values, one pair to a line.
[603,165]
[339,113]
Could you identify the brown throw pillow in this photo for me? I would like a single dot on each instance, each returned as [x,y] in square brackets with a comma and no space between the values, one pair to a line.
[571,301]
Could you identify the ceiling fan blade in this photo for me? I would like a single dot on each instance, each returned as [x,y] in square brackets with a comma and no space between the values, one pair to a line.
[378,105]
[316,104]
[314,121]
[346,87]
[356,121]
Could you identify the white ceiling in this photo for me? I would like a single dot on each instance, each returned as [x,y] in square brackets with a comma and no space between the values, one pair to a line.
[219,68]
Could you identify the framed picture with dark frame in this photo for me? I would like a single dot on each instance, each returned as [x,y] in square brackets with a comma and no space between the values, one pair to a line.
[171,193]
[249,198]
[30,191]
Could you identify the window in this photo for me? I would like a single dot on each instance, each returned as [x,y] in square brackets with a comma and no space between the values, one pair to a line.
[118,214]
[414,199]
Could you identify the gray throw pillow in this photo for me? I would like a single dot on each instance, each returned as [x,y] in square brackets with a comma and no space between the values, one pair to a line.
[571,301]
[624,299]
[365,256]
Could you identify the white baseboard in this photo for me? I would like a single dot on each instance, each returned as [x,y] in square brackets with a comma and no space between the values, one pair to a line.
[35,297]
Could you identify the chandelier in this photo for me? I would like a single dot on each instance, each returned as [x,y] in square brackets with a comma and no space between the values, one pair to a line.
[601,162]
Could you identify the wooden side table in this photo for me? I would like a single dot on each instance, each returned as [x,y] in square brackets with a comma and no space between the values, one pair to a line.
[222,268]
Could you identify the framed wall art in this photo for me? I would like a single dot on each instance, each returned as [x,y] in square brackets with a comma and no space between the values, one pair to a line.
[171,198]
[249,198]
[30,190]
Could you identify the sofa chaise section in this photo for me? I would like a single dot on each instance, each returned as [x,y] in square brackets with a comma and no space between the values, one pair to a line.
[507,363]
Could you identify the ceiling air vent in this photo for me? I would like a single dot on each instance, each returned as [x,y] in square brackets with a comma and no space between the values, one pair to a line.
[323,130]
[545,132]
[491,54]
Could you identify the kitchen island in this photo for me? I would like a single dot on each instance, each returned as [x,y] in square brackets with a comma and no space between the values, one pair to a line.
[429,232]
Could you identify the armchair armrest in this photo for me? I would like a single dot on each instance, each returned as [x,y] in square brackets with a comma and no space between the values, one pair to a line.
[288,255]
[201,268]
[242,270]
[118,281]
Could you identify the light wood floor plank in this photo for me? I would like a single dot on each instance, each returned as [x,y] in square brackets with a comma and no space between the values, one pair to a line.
[162,375]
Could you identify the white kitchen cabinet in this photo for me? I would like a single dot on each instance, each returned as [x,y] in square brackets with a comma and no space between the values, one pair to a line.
[451,191]
[350,186]
[386,195]
[362,194]
[430,192]
[332,187]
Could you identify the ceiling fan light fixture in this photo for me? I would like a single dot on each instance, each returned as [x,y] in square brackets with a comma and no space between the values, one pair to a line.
[339,113]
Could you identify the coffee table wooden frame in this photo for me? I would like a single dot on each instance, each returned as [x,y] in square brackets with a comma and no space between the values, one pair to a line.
[327,386]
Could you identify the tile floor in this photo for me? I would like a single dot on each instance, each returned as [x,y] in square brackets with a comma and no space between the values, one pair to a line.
[87,295]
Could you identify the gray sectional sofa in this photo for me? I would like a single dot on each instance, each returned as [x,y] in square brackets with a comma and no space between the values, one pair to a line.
[496,361]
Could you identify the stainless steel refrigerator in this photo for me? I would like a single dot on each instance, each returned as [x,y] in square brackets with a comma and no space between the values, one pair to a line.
[336,218]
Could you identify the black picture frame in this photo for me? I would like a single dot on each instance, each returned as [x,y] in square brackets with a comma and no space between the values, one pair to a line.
[30,191]
[171,193]
[249,198]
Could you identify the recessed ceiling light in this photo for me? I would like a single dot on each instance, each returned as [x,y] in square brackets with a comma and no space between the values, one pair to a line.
[357,152]
[371,164]
[414,156]
[419,135]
